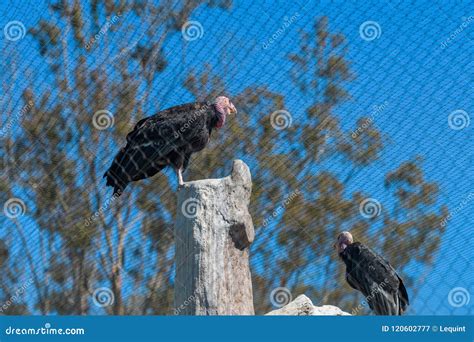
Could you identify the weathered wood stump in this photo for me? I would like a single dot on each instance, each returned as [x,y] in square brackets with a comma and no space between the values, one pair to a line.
[213,232]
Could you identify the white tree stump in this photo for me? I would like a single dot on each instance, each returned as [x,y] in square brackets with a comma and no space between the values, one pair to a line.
[213,232]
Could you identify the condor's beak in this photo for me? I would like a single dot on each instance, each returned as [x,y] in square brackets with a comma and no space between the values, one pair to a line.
[233,110]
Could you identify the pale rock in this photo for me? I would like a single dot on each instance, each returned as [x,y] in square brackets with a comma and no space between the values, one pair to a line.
[302,306]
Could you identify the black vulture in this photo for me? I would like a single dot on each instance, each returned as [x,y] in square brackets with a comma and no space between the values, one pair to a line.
[168,138]
[369,273]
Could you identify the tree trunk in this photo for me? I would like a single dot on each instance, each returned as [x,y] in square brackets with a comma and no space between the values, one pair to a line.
[213,232]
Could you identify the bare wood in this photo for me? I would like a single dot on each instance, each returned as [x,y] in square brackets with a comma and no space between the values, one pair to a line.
[213,232]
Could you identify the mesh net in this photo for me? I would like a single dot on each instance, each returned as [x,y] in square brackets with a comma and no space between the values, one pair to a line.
[351,117]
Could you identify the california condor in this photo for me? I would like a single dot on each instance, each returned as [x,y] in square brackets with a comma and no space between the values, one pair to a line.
[168,138]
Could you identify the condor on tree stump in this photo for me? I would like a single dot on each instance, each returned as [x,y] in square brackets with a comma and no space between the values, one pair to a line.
[213,232]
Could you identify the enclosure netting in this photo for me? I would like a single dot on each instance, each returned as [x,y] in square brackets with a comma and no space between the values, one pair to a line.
[352,116]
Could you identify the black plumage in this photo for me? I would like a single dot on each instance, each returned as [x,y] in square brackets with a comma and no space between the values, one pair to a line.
[369,273]
[168,138]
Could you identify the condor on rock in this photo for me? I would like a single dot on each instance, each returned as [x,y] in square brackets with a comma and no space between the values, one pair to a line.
[372,275]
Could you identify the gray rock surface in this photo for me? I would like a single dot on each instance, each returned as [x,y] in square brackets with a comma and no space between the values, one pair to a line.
[213,232]
[302,306]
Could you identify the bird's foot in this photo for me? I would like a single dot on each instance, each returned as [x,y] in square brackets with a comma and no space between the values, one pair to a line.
[180,183]
[180,177]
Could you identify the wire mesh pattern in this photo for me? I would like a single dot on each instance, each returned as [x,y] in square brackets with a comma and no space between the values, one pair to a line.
[350,116]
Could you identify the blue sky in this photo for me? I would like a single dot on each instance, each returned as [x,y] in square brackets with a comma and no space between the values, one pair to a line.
[405,67]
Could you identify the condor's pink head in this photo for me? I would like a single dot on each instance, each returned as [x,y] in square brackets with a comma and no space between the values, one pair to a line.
[343,240]
[224,107]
